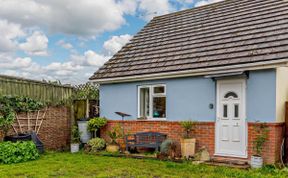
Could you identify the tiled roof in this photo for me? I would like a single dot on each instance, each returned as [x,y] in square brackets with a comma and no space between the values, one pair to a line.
[230,32]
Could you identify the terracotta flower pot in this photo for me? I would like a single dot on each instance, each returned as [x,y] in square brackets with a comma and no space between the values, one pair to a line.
[188,147]
[112,148]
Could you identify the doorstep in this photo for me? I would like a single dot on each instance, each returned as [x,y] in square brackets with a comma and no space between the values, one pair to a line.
[228,162]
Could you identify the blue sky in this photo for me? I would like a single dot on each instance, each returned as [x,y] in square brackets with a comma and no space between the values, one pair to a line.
[68,41]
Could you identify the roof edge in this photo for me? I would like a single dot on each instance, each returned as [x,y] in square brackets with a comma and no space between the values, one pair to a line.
[193,8]
[194,72]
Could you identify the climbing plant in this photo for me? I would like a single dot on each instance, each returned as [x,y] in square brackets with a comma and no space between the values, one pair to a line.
[86,91]
[10,105]
[20,103]
[7,117]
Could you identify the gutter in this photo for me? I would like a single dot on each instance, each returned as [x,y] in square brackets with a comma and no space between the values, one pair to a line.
[196,72]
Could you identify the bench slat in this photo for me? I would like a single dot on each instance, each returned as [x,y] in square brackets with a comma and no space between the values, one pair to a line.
[146,140]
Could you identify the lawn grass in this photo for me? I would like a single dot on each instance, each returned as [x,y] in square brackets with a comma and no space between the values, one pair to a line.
[84,165]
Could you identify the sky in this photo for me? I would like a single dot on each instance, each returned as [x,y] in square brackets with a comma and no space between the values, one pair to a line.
[68,40]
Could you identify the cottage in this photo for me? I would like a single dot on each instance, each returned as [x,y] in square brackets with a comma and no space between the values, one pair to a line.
[223,65]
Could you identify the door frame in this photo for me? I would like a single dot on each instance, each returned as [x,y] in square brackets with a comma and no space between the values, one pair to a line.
[244,87]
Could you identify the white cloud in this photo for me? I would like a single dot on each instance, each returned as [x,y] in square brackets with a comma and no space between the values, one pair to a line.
[129,6]
[36,44]
[64,44]
[89,58]
[16,73]
[151,8]
[17,63]
[9,34]
[205,2]
[54,66]
[115,43]
[84,18]
[185,1]
[95,59]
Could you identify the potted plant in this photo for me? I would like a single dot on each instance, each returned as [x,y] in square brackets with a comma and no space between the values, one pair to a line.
[75,139]
[114,134]
[95,124]
[187,143]
[261,130]
[96,144]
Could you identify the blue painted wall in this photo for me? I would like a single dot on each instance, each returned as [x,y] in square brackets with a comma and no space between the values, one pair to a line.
[261,96]
[189,98]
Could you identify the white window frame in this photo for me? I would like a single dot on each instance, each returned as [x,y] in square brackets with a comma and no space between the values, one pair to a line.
[151,95]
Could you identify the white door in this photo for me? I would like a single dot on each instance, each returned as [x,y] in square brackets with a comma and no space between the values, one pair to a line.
[231,129]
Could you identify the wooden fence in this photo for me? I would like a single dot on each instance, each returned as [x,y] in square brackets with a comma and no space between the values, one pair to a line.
[37,90]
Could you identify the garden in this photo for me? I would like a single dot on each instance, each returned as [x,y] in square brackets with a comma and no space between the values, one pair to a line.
[93,153]
[56,164]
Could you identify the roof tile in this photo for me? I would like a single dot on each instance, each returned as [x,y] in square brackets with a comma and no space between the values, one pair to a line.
[230,32]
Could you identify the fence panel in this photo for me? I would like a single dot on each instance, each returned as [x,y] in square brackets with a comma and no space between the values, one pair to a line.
[37,90]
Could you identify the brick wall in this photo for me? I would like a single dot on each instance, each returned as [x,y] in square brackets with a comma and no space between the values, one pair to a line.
[272,147]
[204,133]
[55,129]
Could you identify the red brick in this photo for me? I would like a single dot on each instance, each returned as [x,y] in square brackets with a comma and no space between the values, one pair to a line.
[205,135]
[55,129]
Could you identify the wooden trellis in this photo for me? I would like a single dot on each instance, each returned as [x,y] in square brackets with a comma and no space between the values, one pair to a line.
[29,121]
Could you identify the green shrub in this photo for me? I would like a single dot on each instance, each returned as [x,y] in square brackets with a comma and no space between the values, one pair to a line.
[262,132]
[168,148]
[114,134]
[96,123]
[17,152]
[7,117]
[75,135]
[97,144]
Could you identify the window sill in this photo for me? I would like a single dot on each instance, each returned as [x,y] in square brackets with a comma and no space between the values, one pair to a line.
[156,119]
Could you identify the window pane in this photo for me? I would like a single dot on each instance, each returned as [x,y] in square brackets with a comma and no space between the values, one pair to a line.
[225,111]
[231,94]
[236,110]
[144,102]
[159,89]
[159,107]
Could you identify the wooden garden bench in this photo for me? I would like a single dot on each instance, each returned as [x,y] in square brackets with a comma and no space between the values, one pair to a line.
[145,140]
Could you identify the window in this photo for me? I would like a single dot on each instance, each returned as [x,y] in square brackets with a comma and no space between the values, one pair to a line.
[144,102]
[225,110]
[152,101]
[231,94]
[236,110]
[159,89]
